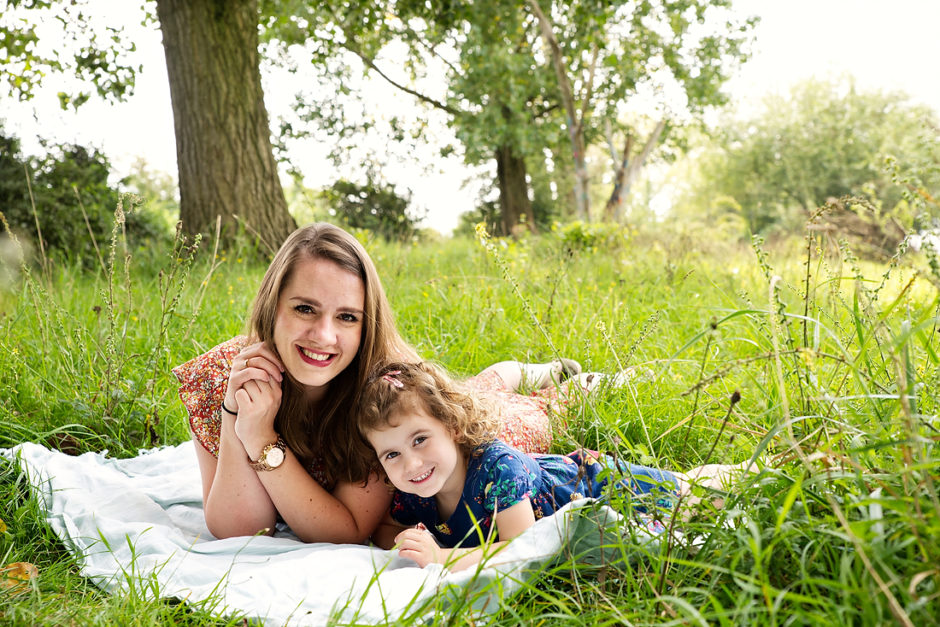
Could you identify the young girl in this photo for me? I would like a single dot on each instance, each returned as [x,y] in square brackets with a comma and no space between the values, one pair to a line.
[455,481]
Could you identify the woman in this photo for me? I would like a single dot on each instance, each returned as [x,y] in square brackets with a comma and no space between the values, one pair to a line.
[272,418]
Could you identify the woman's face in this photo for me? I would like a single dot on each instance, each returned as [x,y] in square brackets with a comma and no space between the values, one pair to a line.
[319,320]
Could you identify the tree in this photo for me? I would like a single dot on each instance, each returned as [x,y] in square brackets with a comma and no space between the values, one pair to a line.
[510,98]
[224,154]
[612,49]
[822,141]
[493,92]
[223,139]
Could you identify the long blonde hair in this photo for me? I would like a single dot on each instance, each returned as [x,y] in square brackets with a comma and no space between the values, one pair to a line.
[327,431]
[398,387]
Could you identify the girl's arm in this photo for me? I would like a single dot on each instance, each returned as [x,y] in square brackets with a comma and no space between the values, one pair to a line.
[419,545]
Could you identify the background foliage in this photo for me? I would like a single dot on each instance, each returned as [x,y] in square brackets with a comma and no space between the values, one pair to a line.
[65,195]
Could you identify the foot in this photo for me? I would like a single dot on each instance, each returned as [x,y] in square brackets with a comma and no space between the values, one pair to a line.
[541,376]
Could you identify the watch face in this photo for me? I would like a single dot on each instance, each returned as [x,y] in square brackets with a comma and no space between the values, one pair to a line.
[274,457]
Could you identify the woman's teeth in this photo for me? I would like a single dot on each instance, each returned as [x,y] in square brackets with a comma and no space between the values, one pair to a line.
[316,356]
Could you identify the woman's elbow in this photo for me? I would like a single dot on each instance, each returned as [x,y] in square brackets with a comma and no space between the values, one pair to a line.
[230,525]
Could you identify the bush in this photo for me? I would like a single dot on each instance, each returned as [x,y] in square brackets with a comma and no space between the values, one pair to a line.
[594,235]
[74,204]
[373,205]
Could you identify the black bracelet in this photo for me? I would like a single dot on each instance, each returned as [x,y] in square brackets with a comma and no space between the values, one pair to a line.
[227,410]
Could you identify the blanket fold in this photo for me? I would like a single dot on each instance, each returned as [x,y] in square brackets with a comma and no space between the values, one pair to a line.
[139,522]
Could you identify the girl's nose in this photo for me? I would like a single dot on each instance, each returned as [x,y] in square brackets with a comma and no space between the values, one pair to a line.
[412,462]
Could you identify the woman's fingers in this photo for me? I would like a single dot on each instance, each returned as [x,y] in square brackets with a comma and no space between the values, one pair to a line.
[260,390]
[257,366]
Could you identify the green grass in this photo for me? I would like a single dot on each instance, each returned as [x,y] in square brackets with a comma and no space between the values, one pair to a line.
[836,368]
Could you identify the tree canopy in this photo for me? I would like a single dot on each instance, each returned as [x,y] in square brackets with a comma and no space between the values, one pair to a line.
[521,79]
[529,85]
[820,141]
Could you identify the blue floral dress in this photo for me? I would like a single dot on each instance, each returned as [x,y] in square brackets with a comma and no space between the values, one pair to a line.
[501,476]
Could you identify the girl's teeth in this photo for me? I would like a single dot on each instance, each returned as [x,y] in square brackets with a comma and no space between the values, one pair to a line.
[422,477]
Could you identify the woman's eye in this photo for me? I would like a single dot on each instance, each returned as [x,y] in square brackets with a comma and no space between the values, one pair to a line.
[304,309]
[348,317]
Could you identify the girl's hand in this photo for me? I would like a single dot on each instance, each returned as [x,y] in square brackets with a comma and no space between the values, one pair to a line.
[255,362]
[419,545]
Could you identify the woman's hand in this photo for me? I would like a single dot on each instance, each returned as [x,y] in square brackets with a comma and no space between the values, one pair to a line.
[258,402]
[418,544]
[254,394]
[254,362]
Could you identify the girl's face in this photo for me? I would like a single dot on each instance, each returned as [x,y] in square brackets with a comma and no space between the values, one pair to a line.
[419,454]
[319,320]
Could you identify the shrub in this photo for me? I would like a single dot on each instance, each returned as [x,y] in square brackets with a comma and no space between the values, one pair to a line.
[67,194]
[375,206]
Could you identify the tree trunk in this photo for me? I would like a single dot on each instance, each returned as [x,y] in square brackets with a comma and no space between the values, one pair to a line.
[574,122]
[223,139]
[514,202]
[628,171]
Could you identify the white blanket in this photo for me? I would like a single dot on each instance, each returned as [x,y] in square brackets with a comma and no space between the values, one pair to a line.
[138,524]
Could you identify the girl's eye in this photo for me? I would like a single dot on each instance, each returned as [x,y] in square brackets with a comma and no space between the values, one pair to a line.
[420,440]
[348,317]
[390,456]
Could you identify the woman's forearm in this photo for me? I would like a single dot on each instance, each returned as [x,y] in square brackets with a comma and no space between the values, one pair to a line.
[240,501]
[235,502]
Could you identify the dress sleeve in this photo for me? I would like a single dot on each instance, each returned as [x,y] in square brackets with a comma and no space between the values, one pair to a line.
[509,479]
[203,381]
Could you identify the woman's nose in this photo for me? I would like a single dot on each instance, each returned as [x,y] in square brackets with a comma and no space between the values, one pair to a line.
[323,331]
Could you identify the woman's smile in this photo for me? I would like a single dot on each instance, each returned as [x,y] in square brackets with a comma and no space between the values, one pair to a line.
[315,358]
[319,322]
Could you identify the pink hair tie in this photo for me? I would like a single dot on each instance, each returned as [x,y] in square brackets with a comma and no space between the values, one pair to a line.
[390,377]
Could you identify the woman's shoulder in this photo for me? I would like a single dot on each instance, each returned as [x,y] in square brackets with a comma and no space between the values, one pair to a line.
[217,357]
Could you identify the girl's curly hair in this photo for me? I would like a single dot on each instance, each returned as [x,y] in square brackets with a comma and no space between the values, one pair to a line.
[399,387]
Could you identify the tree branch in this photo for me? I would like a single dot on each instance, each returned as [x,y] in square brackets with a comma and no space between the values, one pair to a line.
[370,63]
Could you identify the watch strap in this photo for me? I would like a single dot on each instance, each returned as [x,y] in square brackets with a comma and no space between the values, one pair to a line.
[261,464]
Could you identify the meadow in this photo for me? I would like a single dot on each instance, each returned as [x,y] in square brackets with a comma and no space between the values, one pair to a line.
[821,364]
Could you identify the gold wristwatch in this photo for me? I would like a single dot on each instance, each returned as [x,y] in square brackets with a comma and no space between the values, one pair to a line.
[272,456]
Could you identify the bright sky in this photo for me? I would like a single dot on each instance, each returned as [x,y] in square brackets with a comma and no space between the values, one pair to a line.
[884,44]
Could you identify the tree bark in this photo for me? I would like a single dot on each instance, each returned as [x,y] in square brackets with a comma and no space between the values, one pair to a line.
[628,171]
[223,138]
[513,191]
[574,122]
